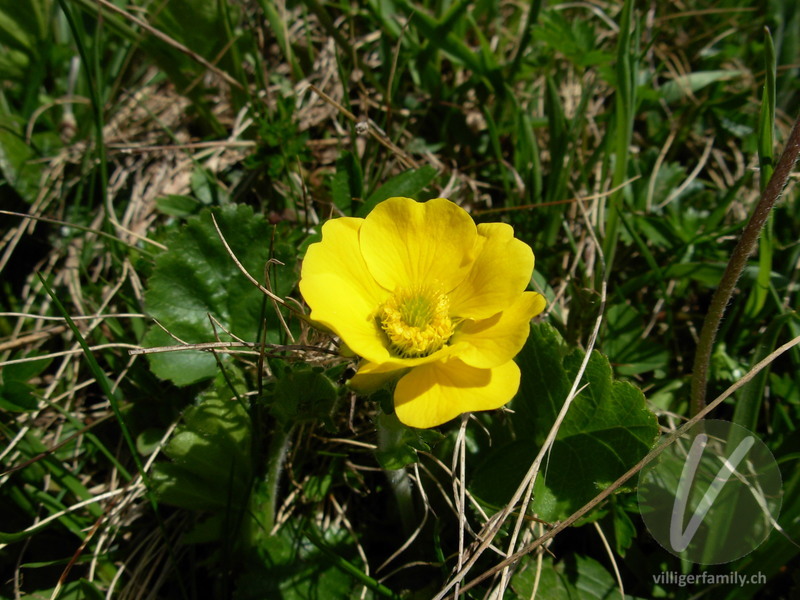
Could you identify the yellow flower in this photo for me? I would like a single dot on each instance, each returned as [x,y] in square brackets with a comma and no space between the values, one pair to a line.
[420,292]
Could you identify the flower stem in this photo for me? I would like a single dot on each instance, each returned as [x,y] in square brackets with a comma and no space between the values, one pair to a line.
[390,437]
[264,501]
[401,486]
[744,248]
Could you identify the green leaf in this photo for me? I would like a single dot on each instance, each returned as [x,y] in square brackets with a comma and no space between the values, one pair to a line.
[196,278]
[766,119]
[316,487]
[25,371]
[766,161]
[196,24]
[24,37]
[71,590]
[710,273]
[347,184]
[558,143]
[777,550]
[684,86]
[628,351]
[606,431]
[178,206]
[527,159]
[16,394]
[212,465]
[439,35]
[574,38]
[409,184]
[184,367]
[303,395]
[624,529]
[23,29]
[293,568]
[749,397]
[17,159]
[395,443]
[574,578]
[149,440]
[177,487]
[277,26]
[205,186]
[208,530]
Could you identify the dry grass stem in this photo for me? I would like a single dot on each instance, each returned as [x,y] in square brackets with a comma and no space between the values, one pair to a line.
[611,558]
[170,41]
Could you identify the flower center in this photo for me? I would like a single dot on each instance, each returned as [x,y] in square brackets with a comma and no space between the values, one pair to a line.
[416,321]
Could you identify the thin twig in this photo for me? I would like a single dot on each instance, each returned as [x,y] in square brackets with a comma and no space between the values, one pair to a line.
[502,209]
[692,176]
[267,284]
[379,137]
[417,531]
[25,315]
[211,346]
[130,148]
[71,352]
[33,337]
[611,558]
[250,278]
[171,42]
[459,487]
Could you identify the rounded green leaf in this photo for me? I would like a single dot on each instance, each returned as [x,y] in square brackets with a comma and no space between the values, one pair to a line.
[607,429]
[196,280]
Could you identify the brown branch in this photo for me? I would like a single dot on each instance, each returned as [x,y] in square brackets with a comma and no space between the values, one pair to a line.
[738,261]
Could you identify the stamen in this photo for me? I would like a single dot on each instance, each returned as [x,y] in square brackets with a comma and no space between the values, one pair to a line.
[416,321]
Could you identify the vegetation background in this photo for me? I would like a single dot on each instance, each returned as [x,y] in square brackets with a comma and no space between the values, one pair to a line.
[626,142]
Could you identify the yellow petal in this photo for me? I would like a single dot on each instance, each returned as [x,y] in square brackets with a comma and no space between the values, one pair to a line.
[407,243]
[490,342]
[371,377]
[435,393]
[342,294]
[501,271]
[398,363]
